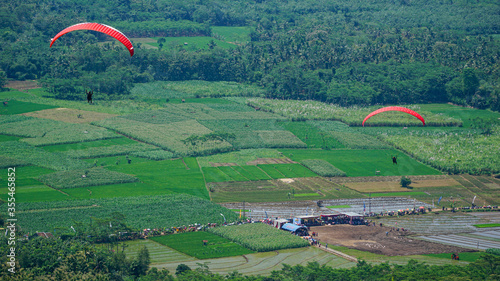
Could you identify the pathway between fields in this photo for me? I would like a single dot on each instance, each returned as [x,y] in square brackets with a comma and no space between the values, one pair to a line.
[338,254]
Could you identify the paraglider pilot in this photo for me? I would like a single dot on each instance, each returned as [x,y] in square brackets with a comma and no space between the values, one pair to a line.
[89,96]
[394,160]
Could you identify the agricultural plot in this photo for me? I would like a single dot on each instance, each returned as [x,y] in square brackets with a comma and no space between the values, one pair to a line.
[19,107]
[28,188]
[467,115]
[323,168]
[179,176]
[140,212]
[168,136]
[259,263]
[85,178]
[8,138]
[69,115]
[116,190]
[476,240]
[191,244]
[6,162]
[442,224]
[39,157]
[39,132]
[241,157]
[114,150]
[360,163]
[475,154]
[158,253]
[312,136]
[296,189]
[191,89]
[418,184]
[260,237]
[35,193]
[353,116]
[259,172]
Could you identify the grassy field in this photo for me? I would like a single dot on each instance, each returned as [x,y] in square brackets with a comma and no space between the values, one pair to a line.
[465,256]
[233,34]
[180,175]
[191,244]
[70,115]
[190,43]
[312,136]
[18,107]
[361,163]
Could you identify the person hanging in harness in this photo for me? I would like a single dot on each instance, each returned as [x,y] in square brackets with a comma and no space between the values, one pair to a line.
[89,96]
[394,160]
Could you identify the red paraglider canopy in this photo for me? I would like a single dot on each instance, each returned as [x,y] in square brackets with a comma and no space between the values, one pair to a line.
[98,27]
[394,108]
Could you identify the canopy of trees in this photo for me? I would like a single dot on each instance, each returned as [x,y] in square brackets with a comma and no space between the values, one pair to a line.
[346,52]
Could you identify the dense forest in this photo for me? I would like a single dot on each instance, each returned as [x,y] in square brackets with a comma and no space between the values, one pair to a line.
[346,52]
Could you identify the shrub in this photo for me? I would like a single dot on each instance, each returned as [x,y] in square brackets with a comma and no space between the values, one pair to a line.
[405,182]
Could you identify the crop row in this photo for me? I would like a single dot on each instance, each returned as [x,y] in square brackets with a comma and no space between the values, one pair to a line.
[260,237]
[168,136]
[39,157]
[85,178]
[112,150]
[454,154]
[48,132]
[162,211]
[353,116]
[154,154]
[323,168]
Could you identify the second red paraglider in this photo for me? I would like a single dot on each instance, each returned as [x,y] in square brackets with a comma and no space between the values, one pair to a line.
[394,108]
[111,31]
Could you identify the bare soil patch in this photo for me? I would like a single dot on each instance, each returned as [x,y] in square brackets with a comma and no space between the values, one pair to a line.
[271,161]
[392,186]
[375,240]
[22,85]
[69,115]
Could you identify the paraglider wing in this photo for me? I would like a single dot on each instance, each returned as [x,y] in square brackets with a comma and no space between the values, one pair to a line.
[394,108]
[111,31]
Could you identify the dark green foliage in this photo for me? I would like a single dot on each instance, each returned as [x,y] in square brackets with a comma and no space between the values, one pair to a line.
[181,268]
[493,251]
[337,51]
[405,182]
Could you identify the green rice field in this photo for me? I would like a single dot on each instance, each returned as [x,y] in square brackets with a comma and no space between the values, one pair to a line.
[191,244]
[362,163]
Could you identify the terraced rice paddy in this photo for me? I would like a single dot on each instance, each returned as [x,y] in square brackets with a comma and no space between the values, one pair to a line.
[263,263]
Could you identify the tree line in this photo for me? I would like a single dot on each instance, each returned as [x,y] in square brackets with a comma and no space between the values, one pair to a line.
[345,52]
